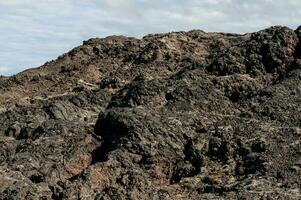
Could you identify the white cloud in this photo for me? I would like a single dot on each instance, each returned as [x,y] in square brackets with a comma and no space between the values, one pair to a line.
[33,32]
[4,69]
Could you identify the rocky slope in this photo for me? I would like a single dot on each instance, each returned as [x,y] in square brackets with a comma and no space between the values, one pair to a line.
[185,115]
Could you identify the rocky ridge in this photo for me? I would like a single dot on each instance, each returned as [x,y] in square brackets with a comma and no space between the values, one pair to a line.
[183,115]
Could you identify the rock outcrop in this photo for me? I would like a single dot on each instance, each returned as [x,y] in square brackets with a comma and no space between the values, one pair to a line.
[184,115]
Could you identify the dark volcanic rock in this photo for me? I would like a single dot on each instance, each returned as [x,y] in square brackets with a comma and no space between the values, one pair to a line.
[186,115]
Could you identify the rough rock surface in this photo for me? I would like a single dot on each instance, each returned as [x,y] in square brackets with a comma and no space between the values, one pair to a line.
[185,115]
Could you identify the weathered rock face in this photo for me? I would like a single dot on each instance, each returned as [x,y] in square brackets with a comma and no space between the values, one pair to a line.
[187,115]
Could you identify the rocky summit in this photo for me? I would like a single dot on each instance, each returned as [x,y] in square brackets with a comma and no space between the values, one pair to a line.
[182,115]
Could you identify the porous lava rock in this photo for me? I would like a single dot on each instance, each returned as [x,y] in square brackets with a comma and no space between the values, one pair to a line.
[182,115]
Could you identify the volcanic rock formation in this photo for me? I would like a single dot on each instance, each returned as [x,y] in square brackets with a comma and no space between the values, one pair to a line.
[182,115]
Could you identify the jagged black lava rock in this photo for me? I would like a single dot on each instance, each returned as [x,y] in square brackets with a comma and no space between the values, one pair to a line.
[182,115]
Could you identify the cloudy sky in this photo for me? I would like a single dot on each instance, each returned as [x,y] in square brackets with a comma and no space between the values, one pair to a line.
[35,31]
